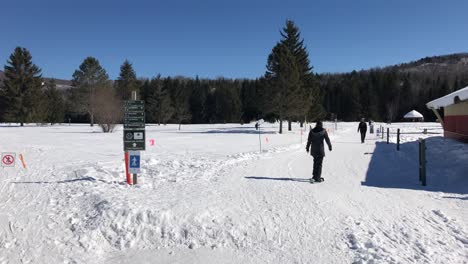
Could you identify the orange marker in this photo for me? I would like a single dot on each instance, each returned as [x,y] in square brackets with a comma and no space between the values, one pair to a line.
[22,160]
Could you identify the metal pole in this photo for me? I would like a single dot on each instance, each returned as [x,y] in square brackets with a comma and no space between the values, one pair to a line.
[127,174]
[398,140]
[135,176]
[259,139]
[388,135]
[420,159]
[423,162]
[381,131]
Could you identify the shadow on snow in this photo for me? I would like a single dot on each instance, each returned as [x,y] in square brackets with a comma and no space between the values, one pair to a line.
[446,170]
[228,131]
[89,179]
[277,179]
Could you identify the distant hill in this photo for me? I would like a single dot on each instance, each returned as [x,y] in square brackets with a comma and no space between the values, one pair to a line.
[388,93]
[61,84]
[452,63]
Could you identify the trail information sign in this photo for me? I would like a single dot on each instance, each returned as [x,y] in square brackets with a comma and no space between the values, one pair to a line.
[134,162]
[134,125]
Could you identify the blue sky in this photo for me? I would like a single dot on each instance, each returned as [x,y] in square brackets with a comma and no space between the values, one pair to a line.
[228,38]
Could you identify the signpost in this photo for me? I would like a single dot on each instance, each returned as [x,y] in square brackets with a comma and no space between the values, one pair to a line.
[133,136]
[259,123]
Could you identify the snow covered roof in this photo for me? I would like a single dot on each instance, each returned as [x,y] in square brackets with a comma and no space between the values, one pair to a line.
[449,99]
[413,114]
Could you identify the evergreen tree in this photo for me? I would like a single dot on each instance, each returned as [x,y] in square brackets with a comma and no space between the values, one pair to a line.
[249,96]
[127,81]
[158,107]
[198,101]
[309,99]
[292,84]
[283,78]
[181,100]
[228,105]
[55,106]
[86,80]
[22,88]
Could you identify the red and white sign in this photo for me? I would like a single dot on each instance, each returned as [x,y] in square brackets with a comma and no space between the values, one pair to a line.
[8,159]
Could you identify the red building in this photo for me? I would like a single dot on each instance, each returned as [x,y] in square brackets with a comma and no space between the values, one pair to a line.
[455,121]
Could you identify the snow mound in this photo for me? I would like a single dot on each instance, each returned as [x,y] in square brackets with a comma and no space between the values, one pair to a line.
[436,237]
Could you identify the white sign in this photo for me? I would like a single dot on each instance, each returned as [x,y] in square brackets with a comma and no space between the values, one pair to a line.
[134,162]
[8,159]
[138,135]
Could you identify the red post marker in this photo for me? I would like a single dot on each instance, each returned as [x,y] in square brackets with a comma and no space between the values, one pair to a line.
[22,160]
[151,142]
[129,177]
[266,139]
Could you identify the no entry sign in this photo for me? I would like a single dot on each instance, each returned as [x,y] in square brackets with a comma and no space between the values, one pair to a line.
[8,159]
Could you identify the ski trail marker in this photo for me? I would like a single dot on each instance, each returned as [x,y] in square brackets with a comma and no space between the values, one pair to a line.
[22,161]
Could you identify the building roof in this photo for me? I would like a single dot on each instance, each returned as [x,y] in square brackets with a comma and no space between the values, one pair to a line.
[449,99]
[413,114]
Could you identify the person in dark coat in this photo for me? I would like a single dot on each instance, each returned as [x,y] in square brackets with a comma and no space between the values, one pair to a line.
[315,144]
[363,129]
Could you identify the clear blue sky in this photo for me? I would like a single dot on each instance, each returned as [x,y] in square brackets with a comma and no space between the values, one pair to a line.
[213,38]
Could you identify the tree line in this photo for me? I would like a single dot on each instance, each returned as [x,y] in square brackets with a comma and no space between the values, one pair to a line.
[288,91]
[387,94]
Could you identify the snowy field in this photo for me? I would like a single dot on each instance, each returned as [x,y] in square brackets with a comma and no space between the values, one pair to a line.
[207,195]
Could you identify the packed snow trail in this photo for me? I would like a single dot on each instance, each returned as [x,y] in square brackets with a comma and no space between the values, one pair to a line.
[208,196]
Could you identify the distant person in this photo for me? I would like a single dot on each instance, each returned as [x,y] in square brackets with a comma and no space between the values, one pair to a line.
[315,144]
[256,126]
[363,129]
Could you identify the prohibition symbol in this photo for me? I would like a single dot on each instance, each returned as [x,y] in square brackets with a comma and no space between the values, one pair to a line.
[8,160]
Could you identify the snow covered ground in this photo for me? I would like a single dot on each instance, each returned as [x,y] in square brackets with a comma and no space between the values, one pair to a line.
[207,195]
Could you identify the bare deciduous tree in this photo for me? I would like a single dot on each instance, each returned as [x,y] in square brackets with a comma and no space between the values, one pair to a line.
[108,111]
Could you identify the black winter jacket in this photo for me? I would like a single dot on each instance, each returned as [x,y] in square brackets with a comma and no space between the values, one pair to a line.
[362,127]
[315,142]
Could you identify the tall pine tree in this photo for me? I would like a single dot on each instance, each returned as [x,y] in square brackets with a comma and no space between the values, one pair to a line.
[283,77]
[22,89]
[158,108]
[127,81]
[309,99]
[86,80]
[294,92]
[55,106]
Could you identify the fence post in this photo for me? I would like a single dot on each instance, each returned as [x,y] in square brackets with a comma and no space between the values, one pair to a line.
[423,162]
[381,131]
[388,135]
[398,140]
[419,159]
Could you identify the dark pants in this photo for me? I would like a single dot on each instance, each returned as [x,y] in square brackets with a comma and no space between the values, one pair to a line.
[363,136]
[317,172]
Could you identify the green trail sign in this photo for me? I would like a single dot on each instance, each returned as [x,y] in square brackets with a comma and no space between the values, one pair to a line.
[134,125]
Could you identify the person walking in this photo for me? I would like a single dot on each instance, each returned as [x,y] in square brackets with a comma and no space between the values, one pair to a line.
[315,144]
[363,129]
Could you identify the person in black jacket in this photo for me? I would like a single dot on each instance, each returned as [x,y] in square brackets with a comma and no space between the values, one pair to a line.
[315,144]
[363,129]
